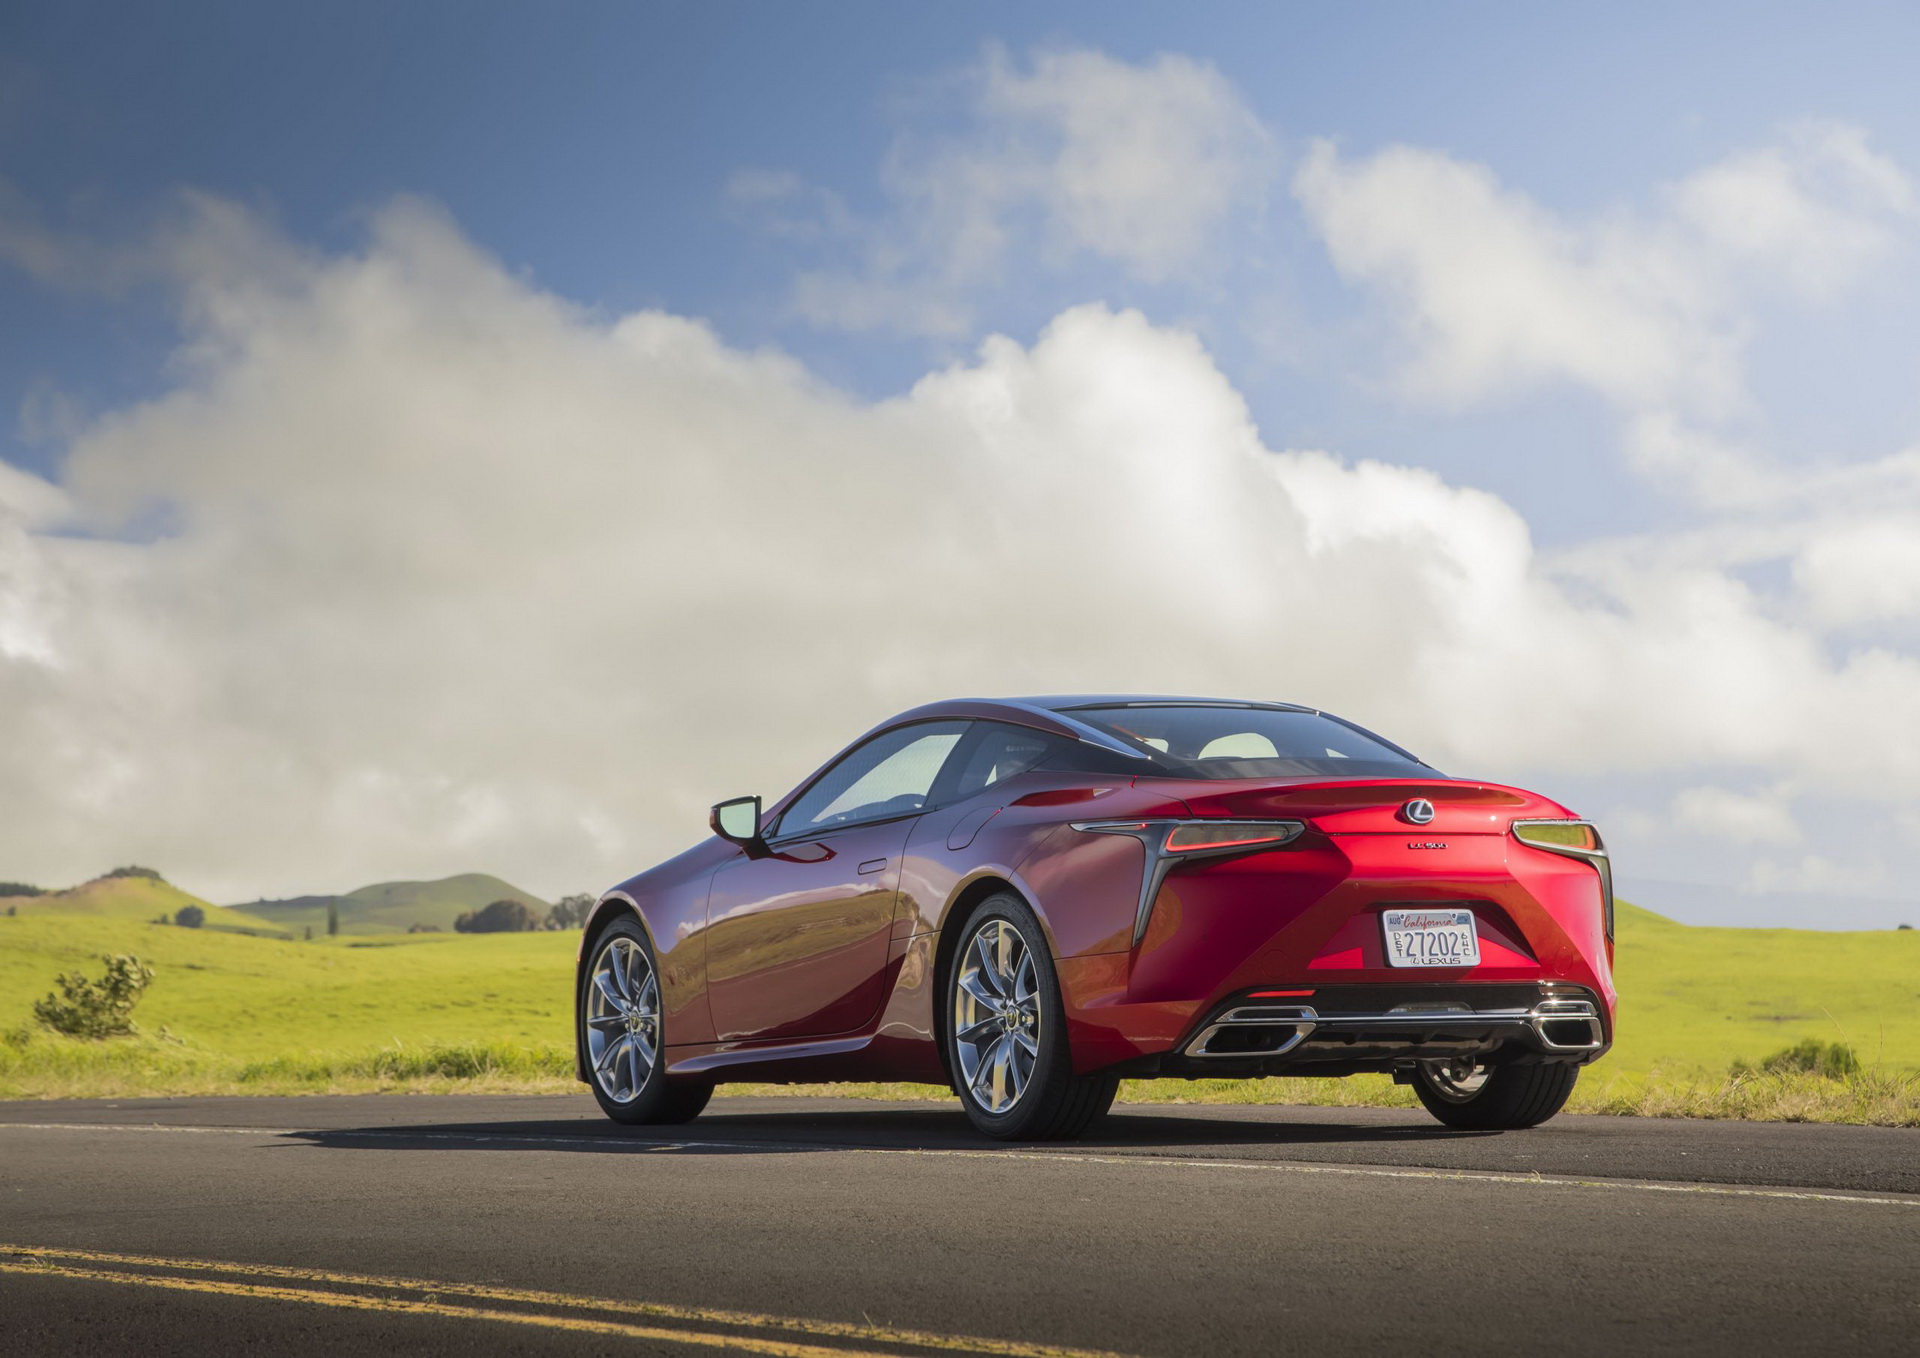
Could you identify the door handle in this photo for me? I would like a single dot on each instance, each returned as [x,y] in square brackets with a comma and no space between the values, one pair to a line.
[873,865]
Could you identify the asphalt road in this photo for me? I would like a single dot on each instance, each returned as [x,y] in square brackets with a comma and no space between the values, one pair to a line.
[459,1225]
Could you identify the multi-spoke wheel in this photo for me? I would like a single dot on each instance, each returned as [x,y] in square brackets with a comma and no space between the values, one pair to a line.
[996,1016]
[1482,1098]
[1007,1034]
[622,1033]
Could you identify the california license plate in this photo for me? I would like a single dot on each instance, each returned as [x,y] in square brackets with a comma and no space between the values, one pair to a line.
[1431,938]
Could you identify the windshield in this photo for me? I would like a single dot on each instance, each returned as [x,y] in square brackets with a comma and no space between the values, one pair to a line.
[1250,742]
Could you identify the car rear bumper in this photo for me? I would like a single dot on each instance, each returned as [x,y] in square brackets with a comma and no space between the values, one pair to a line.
[1349,1029]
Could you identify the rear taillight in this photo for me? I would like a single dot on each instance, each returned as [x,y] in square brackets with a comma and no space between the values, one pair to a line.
[1210,836]
[1169,842]
[1573,839]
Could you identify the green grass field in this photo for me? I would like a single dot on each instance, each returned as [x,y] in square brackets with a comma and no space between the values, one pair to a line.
[229,1011]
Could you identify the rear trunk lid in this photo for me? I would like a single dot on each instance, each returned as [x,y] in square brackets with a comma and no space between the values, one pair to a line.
[1362,806]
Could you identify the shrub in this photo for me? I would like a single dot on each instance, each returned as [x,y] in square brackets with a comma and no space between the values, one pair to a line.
[1809,1056]
[570,912]
[189,917]
[500,917]
[102,1008]
[20,889]
[147,873]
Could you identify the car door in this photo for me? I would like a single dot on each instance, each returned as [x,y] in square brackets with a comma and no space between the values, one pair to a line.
[797,941]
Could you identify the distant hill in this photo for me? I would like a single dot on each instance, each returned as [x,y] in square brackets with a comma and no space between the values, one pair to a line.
[139,899]
[395,907]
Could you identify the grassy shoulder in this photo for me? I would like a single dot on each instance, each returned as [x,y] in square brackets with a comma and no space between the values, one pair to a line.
[235,1014]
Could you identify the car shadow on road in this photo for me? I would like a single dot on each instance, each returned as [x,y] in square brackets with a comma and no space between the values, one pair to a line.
[935,1129]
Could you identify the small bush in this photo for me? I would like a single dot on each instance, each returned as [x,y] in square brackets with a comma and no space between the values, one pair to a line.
[1809,1056]
[189,917]
[147,873]
[501,917]
[94,1009]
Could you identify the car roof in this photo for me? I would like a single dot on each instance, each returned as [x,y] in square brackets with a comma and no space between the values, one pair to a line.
[1067,702]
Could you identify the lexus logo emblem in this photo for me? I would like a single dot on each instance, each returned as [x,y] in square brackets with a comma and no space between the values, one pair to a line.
[1419,811]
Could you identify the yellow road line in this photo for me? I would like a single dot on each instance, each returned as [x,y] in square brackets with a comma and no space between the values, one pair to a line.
[749,1320]
[351,1301]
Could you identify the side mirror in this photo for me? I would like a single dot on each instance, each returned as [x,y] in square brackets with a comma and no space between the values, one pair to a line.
[738,822]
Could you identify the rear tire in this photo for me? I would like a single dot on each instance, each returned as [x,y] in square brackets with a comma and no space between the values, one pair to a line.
[1507,1099]
[1005,1027]
[623,1032]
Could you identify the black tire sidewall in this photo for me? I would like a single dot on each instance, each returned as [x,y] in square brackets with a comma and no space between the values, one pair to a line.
[1514,1098]
[1053,1069]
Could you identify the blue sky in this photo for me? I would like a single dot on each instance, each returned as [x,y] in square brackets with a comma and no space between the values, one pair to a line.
[1694,372]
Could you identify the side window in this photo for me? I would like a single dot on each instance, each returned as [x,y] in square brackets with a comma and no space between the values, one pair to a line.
[890,775]
[1000,753]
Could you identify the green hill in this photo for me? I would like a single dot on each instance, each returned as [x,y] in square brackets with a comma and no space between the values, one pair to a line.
[1705,996]
[395,907]
[228,997]
[138,899]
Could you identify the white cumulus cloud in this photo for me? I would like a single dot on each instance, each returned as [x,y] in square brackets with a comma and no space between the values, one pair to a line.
[1743,818]
[1070,153]
[436,571]
[1649,308]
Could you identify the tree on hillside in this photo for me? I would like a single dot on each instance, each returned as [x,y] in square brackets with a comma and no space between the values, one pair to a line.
[147,873]
[500,917]
[21,889]
[102,1008]
[570,912]
[333,919]
[189,917]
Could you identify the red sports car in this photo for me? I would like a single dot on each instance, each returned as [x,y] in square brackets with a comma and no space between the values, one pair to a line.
[1028,899]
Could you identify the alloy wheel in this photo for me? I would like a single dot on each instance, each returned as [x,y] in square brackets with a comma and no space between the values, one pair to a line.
[996,1016]
[623,1019]
[1457,1081]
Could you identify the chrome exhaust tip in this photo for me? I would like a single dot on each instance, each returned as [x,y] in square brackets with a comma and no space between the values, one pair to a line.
[1255,1030]
[1567,1026]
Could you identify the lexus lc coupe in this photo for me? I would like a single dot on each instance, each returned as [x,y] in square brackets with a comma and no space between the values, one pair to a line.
[1029,899]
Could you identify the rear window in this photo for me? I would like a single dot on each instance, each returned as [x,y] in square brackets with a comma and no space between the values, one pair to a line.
[1249,742]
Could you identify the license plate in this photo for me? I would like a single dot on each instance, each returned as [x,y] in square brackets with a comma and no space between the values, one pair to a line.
[1431,938]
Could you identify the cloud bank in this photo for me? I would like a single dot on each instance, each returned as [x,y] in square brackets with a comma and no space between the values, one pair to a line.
[419,568]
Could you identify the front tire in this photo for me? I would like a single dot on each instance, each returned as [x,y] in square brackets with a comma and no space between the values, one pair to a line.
[623,1033]
[1493,1098]
[1006,1032]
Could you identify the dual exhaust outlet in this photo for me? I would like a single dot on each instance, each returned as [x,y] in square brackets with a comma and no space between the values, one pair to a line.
[1557,1025]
